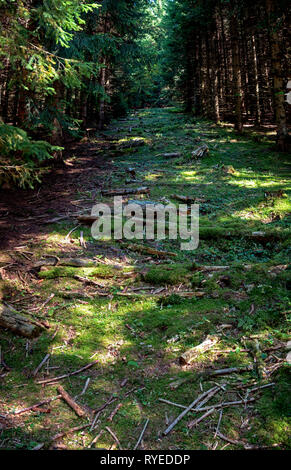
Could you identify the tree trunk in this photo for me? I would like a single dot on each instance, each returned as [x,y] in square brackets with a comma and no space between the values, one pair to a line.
[237,91]
[278,80]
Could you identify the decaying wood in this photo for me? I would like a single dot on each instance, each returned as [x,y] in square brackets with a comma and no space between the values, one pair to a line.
[185,199]
[116,409]
[87,219]
[148,250]
[141,435]
[74,262]
[56,379]
[200,151]
[37,405]
[125,191]
[190,355]
[195,422]
[18,324]
[172,155]
[201,399]
[229,370]
[69,431]
[37,369]
[70,401]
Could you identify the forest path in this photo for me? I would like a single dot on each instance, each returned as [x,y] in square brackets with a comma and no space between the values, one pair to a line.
[137,314]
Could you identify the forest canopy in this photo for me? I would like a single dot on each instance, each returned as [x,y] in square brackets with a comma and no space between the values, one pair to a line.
[70,65]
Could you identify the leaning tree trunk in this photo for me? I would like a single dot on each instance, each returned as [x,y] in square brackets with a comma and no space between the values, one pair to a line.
[278,80]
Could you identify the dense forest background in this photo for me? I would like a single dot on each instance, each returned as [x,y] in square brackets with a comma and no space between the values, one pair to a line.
[67,65]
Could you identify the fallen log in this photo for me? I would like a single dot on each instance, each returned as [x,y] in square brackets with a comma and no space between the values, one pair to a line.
[125,191]
[70,401]
[229,370]
[87,219]
[186,199]
[75,262]
[18,324]
[171,155]
[200,151]
[190,355]
[148,251]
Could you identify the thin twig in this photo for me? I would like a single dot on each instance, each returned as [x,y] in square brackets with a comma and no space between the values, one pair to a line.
[55,379]
[37,369]
[141,435]
[114,437]
[207,394]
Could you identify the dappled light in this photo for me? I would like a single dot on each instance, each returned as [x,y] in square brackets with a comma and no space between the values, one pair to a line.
[122,333]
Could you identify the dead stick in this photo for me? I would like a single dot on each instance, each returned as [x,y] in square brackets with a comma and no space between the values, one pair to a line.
[188,408]
[219,405]
[111,400]
[70,431]
[111,416]
[96,438]
[70,401]
[218,424]
[114,437]
[227,439]
[93,425]
[37,369]
[33,407]
[141,435]
[230,370]
[195,422]
[55,379]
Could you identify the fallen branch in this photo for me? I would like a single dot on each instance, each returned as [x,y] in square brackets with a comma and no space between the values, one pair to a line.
[114,437]
[148,251]
[185,199]
[125,191]
[10,319]
[34,407]
[190,355]
[69,431]
[200,151]
[56,379]
[205,408]
[231,441]
[116,409]
[70,401]
[37,369]
[207,395]
[96,438]
[141,435]
[195,422]
[230,370]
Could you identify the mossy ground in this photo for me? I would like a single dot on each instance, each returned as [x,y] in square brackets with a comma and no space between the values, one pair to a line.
[238,302]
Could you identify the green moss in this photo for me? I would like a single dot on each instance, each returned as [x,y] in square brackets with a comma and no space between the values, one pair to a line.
[102,271]
[167,275]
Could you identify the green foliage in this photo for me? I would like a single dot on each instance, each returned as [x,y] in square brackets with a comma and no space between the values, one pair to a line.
[21,156]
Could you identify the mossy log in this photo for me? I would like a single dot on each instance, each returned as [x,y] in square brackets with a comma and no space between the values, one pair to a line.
[18,324]
[102,271]
[74,262]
